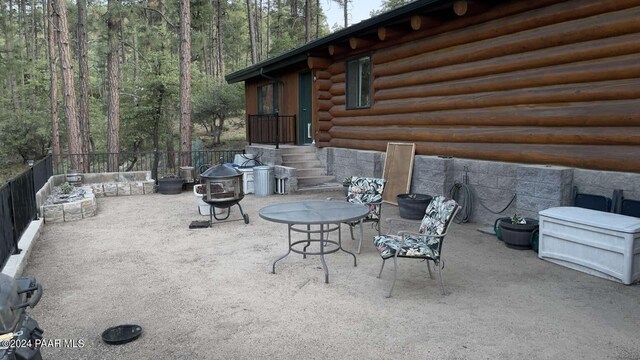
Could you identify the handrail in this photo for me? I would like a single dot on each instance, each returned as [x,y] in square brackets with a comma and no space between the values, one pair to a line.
[272,129]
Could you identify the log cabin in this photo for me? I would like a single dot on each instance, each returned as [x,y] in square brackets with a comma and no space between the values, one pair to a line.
[547,82]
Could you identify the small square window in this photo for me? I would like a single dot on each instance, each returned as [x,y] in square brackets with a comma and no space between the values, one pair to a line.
[359,83]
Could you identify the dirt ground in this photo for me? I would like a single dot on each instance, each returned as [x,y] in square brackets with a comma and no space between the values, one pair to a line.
[209,294]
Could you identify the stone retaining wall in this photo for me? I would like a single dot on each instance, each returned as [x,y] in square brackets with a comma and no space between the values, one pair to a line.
[103,184]
[72,211]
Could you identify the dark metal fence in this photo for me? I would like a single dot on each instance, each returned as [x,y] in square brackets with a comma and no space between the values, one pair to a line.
[100,162]
[272,129]
[159,163]
[18,205]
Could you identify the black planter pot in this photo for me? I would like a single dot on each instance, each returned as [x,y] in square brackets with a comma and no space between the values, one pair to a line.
[413,207]
[518,236]
[496,226]
[170,185]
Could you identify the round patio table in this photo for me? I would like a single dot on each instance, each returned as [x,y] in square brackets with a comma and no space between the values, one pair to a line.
[300,216]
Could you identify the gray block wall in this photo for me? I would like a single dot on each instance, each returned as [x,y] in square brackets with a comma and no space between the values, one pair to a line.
[493,184]
[432,175]
[342,163]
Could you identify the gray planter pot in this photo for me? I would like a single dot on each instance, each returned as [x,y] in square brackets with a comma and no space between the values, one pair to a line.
[518,236]
[413,208]
[170,185]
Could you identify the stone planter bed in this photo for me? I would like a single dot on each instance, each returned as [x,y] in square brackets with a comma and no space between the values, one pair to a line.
[82,204]
[94,185]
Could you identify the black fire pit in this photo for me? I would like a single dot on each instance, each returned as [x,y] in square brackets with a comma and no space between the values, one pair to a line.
[223,189]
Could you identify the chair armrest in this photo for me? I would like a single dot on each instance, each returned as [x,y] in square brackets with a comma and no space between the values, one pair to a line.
[418,235]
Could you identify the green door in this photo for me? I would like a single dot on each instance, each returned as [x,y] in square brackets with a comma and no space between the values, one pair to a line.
[305,134]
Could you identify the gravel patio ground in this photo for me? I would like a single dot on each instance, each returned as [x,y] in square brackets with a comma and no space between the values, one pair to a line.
[209,294]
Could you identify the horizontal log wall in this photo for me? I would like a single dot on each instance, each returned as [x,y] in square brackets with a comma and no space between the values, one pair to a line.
[548,82]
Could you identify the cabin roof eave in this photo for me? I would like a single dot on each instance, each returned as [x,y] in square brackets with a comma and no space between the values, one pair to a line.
[299,54]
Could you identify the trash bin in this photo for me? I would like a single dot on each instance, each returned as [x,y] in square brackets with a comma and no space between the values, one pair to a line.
[263,180]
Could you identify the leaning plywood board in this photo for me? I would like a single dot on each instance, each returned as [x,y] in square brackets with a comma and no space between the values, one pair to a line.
[398,168]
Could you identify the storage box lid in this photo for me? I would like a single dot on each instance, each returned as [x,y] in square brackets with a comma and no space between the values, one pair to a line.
[600,219]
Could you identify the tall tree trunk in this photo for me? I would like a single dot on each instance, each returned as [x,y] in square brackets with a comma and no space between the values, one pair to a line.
[294,8]
[220,12]
[26,30]
[113,70]
[268,27]
[252,33]
[136,73]
[83,79]
[212,51]
[317,19]
[185,82]
[68,86]
[157,116]
[52,42]
[307,20]
[345,7]
[8,34]
[34,30]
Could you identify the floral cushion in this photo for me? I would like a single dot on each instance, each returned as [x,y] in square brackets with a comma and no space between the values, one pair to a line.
[437,216]
[364,190]
[424,247]
[436,219]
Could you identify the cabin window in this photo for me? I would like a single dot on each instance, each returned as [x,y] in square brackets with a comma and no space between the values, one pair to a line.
[267,99]
[359,83]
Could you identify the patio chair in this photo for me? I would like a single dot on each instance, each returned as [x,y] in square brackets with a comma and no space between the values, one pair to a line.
[366,191]
[426,244]
[590,201]
[630,208]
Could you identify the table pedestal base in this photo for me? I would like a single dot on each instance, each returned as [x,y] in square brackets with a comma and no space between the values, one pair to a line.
[323,231]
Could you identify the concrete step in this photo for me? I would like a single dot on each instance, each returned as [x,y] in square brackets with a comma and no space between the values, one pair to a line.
[304,164]
[287,158]
[311,172]
[314,180]
[333,187]
[298,150]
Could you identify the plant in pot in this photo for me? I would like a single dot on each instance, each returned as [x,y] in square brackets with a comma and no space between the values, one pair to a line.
[518,232]
[413,206]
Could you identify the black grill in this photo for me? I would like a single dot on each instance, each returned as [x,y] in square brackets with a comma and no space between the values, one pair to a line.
[223,189]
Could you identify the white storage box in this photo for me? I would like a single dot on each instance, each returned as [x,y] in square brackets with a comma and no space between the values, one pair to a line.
[247,180]
[595,242]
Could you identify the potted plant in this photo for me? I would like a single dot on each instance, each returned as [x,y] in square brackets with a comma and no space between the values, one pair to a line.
[517,233]
[413,206]
[346,184]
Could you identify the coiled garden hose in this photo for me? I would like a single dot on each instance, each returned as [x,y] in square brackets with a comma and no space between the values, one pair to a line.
[463,195]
